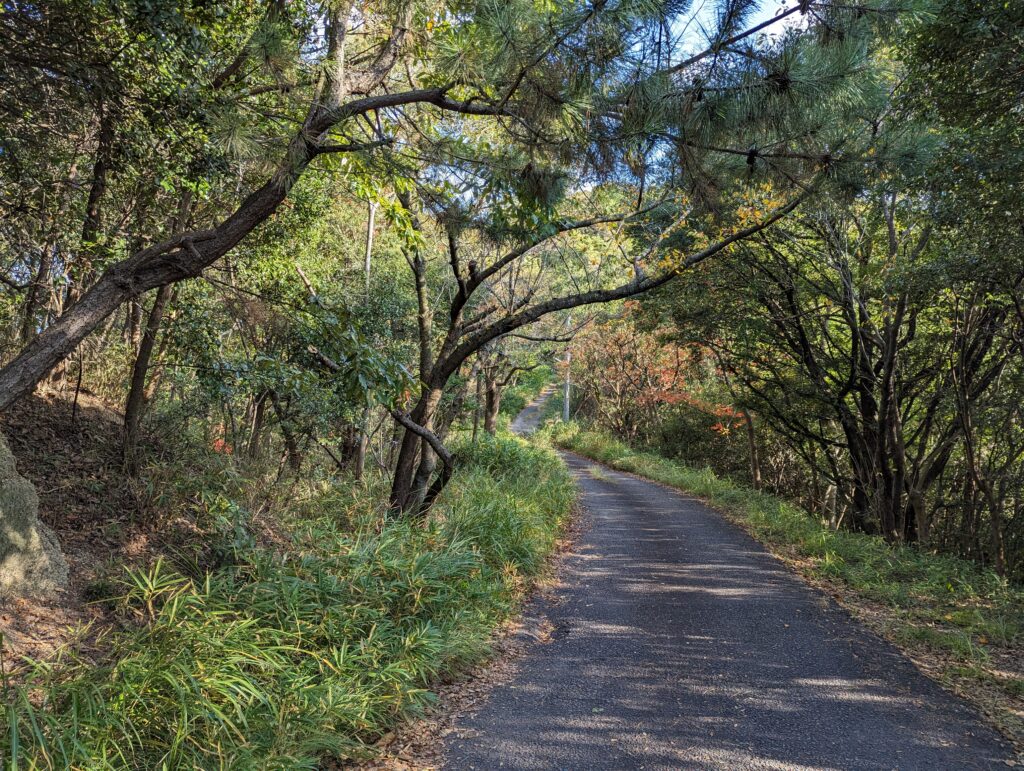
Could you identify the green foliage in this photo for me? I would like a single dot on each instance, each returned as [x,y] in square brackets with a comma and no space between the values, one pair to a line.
[525,390]
[163,117]
[278,658]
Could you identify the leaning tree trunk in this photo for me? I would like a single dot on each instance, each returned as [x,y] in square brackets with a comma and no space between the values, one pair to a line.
[185,255]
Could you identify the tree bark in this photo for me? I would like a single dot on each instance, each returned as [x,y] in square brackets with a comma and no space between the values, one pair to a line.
[259,413]
[291,445]
[478,405]
[492,408]
[368,253]
[32,303]
[364,443]
[185,255]
[406,487]
[364,437]
[137,391]
[755,458]
[448,461]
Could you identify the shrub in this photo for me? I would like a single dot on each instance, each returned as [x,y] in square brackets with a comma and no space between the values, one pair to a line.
[280,657]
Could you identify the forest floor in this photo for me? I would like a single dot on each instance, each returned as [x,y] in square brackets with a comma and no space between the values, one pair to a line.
[70,450]
[677,641]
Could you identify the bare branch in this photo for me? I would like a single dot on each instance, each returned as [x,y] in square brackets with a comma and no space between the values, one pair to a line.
[800,7]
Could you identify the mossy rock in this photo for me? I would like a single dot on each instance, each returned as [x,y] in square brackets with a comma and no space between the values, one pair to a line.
[31,562]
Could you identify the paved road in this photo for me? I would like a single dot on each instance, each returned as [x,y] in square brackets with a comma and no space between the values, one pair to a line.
[679,643]
[527,421]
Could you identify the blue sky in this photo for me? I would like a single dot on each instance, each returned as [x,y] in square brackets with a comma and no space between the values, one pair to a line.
[703,12]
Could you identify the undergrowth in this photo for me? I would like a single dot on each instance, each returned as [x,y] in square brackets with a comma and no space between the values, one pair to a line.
[950,605]
[277,657]
[529,384]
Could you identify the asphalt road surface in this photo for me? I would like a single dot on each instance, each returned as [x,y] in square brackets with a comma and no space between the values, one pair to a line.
[679,643]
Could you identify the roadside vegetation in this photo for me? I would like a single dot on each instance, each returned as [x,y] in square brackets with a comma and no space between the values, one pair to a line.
[526,390]
[963,623]
[307,648]
[275,275]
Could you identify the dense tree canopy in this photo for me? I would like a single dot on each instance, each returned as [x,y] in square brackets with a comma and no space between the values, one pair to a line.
[874,335]
[319,252]
[521,159]
[378,198]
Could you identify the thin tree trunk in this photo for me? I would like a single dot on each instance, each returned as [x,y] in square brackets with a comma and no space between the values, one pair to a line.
[133,323]
[478,405]
[259,413]
[364,437]
[364,442]
[492,407]
[137,391]
[83,270]
[404,494]
[567,389]
[371,216]
[291,445]
[755,458]
[32,303]
[408,480]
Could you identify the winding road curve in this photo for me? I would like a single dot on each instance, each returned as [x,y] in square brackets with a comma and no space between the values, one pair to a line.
[680,643]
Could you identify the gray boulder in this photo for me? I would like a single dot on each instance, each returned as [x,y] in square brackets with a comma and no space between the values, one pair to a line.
[31,562]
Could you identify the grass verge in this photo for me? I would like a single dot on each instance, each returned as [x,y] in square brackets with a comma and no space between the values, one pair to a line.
[960,623]
[277,657]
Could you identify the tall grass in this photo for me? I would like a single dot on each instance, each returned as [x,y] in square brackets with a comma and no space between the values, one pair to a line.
[279,657]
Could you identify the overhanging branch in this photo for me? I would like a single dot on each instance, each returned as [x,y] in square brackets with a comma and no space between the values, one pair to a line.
[637,286]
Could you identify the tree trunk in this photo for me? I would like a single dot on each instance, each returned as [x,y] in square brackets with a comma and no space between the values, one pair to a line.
[291,445]
[567,389]
[349,444]
[492,408]
[368,253]
[404,494]
[81,272]
[32,297]
[133,323]
[478,405]
[364,442]
[364,437]
[41,285]
[259,416]
[137,391]
[755,458]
